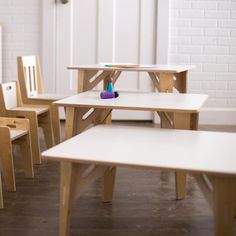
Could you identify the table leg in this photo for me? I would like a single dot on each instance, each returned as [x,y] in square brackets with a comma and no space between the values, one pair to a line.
[108,184]
[166,82]
[71,124]
[75,178]
[181,81]
[235,201]
[110,174]
[183,121]
[83,82]
[67,185]
[224,205]
[1,197]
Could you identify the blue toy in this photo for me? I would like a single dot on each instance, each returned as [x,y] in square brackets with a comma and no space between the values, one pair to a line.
[109,93]
[110,87]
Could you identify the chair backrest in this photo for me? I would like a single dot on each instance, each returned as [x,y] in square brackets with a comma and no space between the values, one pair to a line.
[29,75]
[9,92]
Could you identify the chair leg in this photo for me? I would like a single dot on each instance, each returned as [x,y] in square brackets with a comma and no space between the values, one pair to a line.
[8,167]
[56,124]
[34,138]
[1,197]
[26,152]
[45,123]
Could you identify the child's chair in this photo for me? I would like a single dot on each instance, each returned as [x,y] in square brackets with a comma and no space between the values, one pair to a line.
[29,76]
[11,106]
[14,131]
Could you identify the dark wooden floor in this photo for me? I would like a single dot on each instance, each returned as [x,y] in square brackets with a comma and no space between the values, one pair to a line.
[144,205]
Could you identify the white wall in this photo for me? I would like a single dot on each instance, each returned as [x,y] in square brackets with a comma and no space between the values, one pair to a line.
[21,23]
[203,33]
[0,54]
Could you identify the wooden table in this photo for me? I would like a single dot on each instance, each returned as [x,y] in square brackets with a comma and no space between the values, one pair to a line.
[85,157]
[86,109]
[164,77]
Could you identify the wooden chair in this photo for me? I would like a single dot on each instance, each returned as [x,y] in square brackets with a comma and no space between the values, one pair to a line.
[14,131]
[30,80]
[11,106]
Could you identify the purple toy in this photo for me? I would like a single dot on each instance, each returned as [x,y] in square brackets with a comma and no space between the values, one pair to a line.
[105,95]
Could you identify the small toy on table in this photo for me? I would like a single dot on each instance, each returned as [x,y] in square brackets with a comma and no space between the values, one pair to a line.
[109,93]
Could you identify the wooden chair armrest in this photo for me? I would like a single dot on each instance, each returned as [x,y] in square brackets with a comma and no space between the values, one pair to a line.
[4,135]
[15,123]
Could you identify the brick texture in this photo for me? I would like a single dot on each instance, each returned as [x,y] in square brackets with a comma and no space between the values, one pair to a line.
[21,25]
[203,33]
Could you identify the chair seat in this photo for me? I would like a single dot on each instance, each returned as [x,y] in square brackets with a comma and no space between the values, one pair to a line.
[48,96]
[38,110]
[16,133]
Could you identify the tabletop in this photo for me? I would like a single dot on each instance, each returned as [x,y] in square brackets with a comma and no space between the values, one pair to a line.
[150,101]
[193,151]
[141,68]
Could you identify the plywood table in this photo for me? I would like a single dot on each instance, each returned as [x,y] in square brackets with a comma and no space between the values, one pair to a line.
[202,154]
[164,77]
[86,109]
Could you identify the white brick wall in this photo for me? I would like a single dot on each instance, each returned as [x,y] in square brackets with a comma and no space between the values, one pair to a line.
[20,20]
[203,33]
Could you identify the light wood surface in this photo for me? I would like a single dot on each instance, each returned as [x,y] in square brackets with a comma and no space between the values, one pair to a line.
[165,78]
[142,67]
[191,150]
[190,103]
[9,135]
[1,196]
[14,123]
[179,111]
[31,86]
[9,95]
[38,110]
[47,97]
[39,116]
[83,158]
[17,133]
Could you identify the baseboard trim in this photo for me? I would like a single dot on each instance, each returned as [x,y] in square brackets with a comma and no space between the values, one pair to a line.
[218,116]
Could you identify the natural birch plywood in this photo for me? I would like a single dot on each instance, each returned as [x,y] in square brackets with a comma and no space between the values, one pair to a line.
[164,78]
[184,108]
[32,91]
[140,68]
[190,103]
[0,54]
[1,196]
[199,152]
[193,151]
[11,105]
[14,131]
